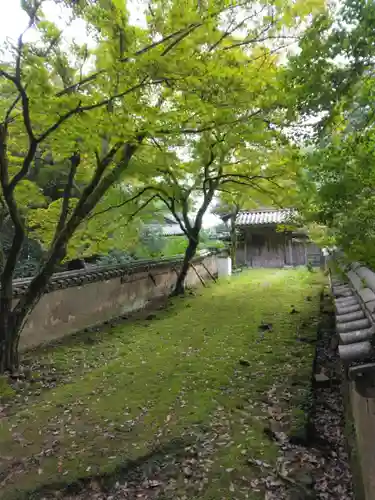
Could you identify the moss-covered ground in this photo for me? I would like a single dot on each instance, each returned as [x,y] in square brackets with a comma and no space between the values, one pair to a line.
[171,406]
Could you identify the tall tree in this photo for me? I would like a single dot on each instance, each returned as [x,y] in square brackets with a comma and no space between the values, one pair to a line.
[337,175]
[237,161]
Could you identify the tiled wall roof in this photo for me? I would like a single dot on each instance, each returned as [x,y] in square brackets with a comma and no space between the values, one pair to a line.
[264,217]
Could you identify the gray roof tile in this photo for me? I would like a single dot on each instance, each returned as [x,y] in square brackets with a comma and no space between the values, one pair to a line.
[264,217]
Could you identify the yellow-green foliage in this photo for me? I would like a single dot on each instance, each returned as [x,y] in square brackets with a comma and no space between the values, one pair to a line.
[139,92]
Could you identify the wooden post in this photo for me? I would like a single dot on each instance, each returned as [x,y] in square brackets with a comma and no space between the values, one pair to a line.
[245,247]
[290,247]
[152,278]
[208,272]
[199,276]
[285,249]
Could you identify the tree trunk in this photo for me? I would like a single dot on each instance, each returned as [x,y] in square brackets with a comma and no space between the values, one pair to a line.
[190,252]
[13,321]
[193,238]
[8,346]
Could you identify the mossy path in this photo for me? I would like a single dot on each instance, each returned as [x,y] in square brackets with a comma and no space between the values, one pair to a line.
[169,407]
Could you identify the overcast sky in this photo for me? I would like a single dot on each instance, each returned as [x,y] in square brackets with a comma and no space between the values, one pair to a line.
[11,19]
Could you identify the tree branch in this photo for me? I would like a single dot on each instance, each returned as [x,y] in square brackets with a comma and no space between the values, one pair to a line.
[171,174]
[207,178]
[90,197]
[252,40]
[209,127]
[184,194]
[25,103]
[265,191]
[180,37]
[11,108]
[170,203]
[101,165]
[32,15]
[252,185]
[231,30]
[119,205]
[113,176]
[225,178]
[144,205]
[75,160]
[80,109]
[258,38]
[180,34]
[202,210]
[25,166]
[235,181]
[185,213]
[33,141]
[19,230]
[59,122]
[177,217]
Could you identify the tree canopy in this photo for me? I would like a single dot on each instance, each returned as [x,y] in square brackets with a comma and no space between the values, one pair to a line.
[332,82]
[190,99]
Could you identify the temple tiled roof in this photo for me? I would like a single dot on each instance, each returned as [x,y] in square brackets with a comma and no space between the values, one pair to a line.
[264,217]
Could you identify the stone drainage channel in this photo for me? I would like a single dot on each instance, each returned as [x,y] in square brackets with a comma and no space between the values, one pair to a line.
[320,461]
[329,440]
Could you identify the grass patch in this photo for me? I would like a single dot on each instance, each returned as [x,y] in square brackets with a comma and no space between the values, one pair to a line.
[143,384]
[6,391]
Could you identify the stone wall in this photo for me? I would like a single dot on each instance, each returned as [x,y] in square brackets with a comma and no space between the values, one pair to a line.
[80,299]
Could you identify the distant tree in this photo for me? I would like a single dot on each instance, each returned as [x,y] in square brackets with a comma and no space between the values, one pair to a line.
[239,160]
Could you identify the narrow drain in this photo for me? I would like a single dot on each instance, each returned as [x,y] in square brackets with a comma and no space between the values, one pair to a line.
[332,476]
[318,461]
